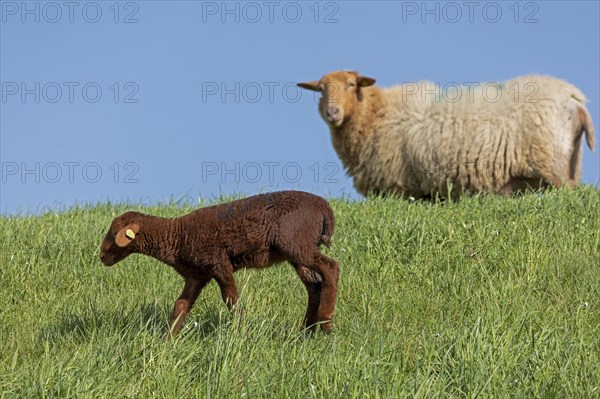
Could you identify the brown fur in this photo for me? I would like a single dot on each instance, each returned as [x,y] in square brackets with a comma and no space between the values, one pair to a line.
[406,141]
[214,242]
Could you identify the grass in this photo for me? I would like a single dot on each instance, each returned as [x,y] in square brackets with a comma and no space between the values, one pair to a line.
[485,297]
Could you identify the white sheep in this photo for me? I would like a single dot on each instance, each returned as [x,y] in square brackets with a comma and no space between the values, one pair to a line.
[417,140]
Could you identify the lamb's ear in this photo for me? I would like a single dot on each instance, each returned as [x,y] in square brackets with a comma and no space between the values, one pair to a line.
[364,81]
[314,85]
[127,234]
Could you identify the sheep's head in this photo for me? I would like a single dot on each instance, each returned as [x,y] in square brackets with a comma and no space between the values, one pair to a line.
[119,241]
[340,94]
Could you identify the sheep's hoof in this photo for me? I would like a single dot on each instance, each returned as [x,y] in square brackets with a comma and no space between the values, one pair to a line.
[169,335]
[327,327]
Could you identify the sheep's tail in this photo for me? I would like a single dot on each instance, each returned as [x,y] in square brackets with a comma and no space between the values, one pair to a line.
[328,228]
[588,126]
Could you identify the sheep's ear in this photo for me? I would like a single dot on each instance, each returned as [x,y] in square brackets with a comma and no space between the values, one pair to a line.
[364,81]
[127,234]
[314,85]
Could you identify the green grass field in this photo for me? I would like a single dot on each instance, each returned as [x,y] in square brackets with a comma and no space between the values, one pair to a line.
[485,297]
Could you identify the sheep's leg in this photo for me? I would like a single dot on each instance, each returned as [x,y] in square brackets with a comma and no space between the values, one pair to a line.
[224,278]
[184,303]
[330,271]
[312,282]
[556,180]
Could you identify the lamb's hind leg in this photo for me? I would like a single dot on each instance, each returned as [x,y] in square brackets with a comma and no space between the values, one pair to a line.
[312,281]
[330,272]
[184,303]
[224,277]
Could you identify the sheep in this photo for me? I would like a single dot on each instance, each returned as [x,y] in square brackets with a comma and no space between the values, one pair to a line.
[412,140]
[215,241]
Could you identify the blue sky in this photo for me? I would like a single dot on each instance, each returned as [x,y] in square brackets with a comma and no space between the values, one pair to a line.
[152,100]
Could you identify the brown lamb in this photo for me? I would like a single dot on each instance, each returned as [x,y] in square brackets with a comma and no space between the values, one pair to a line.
[216,241]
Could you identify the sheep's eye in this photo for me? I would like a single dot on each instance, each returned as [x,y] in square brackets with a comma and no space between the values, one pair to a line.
[351,84]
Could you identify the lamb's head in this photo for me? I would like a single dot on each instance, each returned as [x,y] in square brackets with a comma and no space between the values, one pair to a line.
[120,240]
[340,94]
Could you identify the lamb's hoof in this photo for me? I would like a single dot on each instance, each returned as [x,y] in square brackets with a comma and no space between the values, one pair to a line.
[327,327]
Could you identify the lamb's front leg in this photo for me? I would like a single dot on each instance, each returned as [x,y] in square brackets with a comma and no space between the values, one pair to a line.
[184,303]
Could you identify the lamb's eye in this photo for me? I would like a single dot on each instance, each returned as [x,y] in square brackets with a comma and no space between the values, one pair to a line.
[351,84]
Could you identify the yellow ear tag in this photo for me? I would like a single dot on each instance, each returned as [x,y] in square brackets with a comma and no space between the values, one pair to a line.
[129,233]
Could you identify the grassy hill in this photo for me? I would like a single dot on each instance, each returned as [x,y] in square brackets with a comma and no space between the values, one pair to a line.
[482,297]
